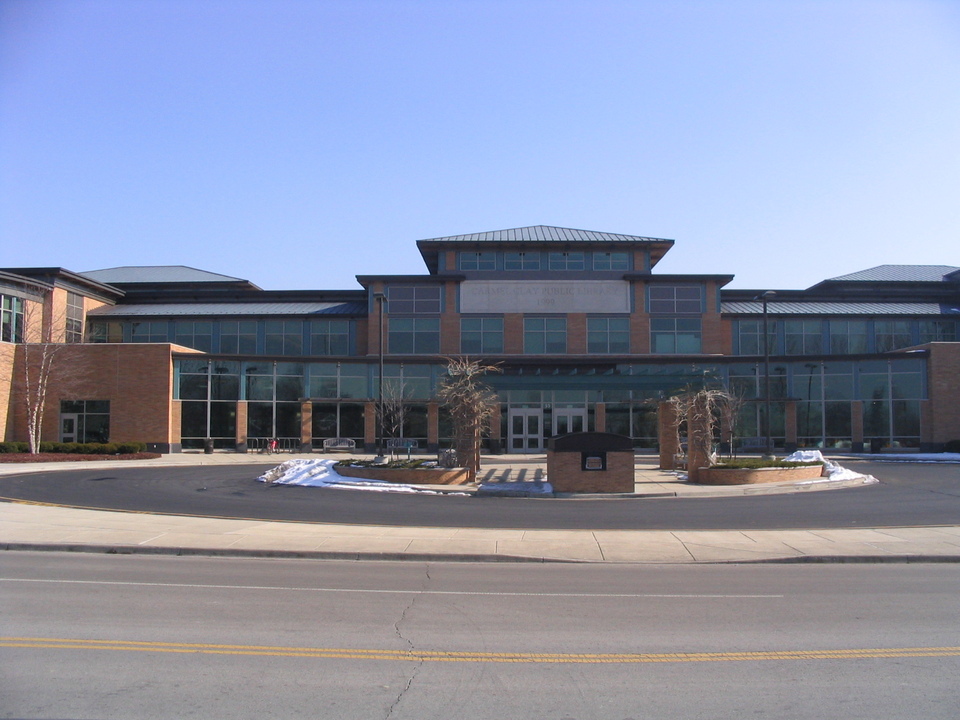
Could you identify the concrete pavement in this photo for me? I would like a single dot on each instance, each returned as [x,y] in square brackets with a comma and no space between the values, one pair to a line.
[27,526]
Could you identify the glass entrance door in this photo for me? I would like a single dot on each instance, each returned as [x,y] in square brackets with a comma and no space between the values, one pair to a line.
[68,427]
[569,420]
[525,430]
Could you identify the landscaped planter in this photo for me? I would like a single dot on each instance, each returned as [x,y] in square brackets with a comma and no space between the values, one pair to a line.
[408,476]
[753,476]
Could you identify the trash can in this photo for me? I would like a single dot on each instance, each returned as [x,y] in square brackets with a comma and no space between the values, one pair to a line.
[876,445]
[208,446]
[591,462]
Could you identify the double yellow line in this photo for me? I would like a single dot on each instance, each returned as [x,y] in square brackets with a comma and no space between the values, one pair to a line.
[476,657]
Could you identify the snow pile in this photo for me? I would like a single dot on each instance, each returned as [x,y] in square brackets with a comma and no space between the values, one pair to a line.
[832,470]
[322,473]
[943,457]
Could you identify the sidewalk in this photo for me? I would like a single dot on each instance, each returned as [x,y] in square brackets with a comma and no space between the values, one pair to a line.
[36,527]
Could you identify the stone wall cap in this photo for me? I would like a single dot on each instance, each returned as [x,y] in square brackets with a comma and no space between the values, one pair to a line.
[590,442]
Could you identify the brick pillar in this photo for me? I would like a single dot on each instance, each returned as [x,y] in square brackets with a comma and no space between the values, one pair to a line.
[790,425]
[699,439]
[306,426]
[241,430]
[496,442]
[433,427]
[667,434]
[370,426]
[856,425]
[600,417]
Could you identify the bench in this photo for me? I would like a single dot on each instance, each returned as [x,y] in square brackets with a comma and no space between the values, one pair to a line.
[396,445]
[752,444]
[339,445]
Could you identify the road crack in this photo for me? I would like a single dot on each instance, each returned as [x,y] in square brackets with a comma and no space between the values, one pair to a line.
[409,643]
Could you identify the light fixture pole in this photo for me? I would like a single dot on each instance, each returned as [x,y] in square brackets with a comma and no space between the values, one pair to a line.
[380,298]
[765,298]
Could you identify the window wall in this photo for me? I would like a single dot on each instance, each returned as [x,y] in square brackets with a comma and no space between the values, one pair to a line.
[89,419]
[11,318]
[608,335]
[545,336]
[74,320]
[481,336]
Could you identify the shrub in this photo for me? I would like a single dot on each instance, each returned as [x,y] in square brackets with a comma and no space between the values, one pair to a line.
[952,446]
[393,464]
[14,447]
[751,463]
[73,448]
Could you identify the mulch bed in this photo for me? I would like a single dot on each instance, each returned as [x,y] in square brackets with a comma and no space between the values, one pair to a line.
[66,457]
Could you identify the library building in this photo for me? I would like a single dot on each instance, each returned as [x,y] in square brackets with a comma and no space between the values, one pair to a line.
[585,333]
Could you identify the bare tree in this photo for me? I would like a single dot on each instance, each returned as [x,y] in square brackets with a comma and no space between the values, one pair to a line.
[471,403]
[729,405]
[392,411]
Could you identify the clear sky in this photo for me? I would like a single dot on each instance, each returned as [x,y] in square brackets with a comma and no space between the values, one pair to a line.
[297,144]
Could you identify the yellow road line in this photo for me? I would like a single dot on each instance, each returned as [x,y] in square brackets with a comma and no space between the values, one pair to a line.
[483,657]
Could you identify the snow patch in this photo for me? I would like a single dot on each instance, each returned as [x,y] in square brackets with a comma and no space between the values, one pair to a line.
[322,473]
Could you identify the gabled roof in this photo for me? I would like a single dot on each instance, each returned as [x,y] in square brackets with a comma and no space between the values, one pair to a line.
[899,273]
[154,274]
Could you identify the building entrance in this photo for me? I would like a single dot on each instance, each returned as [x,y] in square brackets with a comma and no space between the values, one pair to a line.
[525,430]
[569,420]
[68,427]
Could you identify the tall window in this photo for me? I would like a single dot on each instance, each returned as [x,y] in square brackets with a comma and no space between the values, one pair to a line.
[284,337]
[413,299]
[414,335]
[480,336]
[521,261]
[675,335]
[803,337]
[238,337]
[486,260]
[567,261]
[11,319]
[330,337]
[848,337]
[892,334]
[750,335]
[611,261]
[74,328]
[676,299]
[543,336]
[196,334]
[85,421]
[608,335]
[938,331]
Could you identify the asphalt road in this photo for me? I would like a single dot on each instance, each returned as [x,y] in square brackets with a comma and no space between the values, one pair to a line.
[910,494]
[147,637]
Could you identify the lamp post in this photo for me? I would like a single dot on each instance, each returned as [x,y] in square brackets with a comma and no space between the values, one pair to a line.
[765,298]
[380,298]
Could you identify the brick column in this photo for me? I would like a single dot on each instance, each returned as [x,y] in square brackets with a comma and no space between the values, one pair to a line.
[790,425]
[241,429]
[496,442]
[667,434]
[370,426]
[306,426]
[699,439]
[433,427]
[856,425]
[600,417]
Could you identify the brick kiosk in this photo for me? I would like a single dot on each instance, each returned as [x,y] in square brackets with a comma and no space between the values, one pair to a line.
[591,462]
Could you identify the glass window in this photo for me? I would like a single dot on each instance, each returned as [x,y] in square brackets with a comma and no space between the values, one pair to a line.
[74,328]
[938,331]
[521,261]
[676,299]
[92,420]
[675,335]
[750,336]
[608,335]
[611,261]
[238,337]
[11,319]
[196,334]
[479,336]
[543,336]
[330,337]
[105,332]
[803,337]
[153,331]
[414,335]
[848,337]
[486,260]
[567,261]
[413,299]
[284,337]
[892,334]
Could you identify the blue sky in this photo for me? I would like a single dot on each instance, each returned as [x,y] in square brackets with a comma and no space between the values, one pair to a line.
[298,144]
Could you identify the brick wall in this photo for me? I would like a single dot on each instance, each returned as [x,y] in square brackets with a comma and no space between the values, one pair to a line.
[565,473]
[943,377]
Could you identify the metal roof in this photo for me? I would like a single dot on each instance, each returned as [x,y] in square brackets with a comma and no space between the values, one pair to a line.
[899,273]
[544,234]
[219,309]
[755,307]
[157,274]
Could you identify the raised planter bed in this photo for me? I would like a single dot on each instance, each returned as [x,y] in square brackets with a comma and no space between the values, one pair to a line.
[408,476]
[753,476]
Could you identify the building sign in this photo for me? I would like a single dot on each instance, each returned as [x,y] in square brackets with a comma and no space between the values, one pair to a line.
[545,296]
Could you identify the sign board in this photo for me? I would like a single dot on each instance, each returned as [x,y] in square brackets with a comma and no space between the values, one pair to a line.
[545,296]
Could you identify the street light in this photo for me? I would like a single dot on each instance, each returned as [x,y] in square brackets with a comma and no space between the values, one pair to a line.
[765,298]
[380,298]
